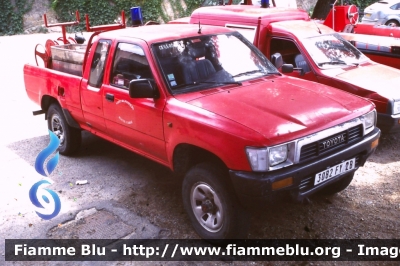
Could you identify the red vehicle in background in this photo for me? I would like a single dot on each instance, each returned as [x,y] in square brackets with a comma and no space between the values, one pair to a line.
[208,105]
[316,52]
[383,47]
[379,42]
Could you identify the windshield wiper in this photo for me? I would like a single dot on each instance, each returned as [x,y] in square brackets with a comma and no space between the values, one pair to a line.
[336,62]
[218,82]
[339,62]
[247,73]
[275,73]
[208,82]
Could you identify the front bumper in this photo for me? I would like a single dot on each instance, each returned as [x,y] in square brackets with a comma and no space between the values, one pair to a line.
[389,123]
[253,188]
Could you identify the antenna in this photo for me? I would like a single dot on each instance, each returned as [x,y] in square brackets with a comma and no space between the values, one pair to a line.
[316,25]
[199,32]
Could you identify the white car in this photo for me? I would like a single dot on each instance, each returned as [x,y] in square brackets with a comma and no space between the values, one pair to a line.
[383,13]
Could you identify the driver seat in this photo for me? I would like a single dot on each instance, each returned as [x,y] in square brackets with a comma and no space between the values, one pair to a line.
[301,63]
[198,68]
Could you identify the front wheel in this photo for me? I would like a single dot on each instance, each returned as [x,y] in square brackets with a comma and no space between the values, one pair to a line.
[70,138]
[211,204]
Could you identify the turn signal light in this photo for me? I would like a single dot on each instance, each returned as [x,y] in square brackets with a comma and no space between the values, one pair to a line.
[374,143]
[282,183]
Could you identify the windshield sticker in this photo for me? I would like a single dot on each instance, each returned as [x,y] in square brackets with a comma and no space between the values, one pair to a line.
[171,79]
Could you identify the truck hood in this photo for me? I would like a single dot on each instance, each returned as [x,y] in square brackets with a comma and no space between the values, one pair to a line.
[377,78]
[282,106]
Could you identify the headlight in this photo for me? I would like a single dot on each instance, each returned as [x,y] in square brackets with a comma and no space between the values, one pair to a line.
[278,155]
[369,120]
[272,158]
[396,107]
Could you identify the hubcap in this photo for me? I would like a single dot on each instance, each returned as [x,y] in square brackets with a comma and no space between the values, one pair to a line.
[57,128]
[207,207]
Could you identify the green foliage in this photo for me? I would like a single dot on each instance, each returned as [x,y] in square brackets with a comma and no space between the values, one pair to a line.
[362,4]
[11,15]
[191,5]
[106,11]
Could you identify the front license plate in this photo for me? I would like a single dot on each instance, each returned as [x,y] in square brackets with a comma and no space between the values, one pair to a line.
[336,170]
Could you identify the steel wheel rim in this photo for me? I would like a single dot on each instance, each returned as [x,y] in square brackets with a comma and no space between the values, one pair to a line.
[57,128]
[207,207]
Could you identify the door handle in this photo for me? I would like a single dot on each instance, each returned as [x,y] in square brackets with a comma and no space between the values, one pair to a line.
[109,97]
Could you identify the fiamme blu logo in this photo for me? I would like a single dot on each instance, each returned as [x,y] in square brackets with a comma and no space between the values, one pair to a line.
[46,200]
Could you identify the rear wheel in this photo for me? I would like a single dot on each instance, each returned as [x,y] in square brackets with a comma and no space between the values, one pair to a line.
[392,23]
[70,138]
[211,204]
[338,186]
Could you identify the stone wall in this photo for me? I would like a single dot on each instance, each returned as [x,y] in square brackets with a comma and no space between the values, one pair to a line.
[33,20]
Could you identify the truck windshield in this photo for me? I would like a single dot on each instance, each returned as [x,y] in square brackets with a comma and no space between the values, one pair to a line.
[199,63]
[333,51]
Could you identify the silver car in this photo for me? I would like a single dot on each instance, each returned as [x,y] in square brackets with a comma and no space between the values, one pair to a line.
[383,13]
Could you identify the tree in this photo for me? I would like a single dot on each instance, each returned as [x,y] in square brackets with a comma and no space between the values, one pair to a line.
[322,9]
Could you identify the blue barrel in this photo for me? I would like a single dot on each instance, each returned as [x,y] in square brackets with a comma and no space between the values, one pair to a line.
[136,14]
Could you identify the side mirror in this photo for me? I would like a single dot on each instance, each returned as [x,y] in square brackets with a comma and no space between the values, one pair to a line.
[143,88]
[276,60]
[287,68]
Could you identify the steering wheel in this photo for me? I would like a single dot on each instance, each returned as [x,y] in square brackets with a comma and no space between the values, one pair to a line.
[352,14]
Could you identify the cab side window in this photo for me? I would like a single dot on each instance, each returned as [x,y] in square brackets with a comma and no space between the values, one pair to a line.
[98,63]
[129,63]
[395,7]
[290,53]
[286,48]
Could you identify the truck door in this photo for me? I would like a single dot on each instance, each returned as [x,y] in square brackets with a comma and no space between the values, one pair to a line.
[91,88]
[135,123]
[291,54]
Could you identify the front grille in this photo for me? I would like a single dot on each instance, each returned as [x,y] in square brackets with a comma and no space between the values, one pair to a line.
[308,182]
[330,143]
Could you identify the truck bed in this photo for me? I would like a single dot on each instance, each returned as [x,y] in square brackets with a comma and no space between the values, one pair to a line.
[68,58]
[41,81]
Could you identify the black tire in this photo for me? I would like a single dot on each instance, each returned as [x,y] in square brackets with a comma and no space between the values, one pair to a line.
[392,23]
[338,186]
[70,138]
[219,215]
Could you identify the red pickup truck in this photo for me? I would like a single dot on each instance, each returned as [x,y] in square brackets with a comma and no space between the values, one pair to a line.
[207,104]
[288,37]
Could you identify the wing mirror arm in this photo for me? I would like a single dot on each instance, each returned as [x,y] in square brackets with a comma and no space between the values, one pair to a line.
[288,68]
